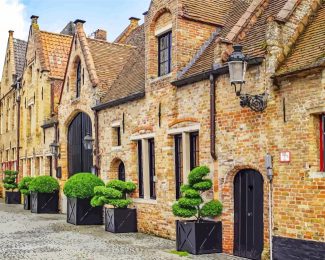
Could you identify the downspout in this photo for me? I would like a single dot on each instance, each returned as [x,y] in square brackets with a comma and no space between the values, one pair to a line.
[270,217]
[96,144]
[56,141]
[213,117]
[18,128]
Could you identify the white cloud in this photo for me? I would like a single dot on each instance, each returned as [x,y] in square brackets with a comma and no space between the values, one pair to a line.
[11,18]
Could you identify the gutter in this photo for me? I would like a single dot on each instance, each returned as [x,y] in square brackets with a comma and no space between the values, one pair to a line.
[221,70]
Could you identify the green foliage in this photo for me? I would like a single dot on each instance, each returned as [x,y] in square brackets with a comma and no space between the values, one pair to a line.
[190,205]
[44,184]
[23,185]
[82,185]
[10,180]
[113,194]
[180,253]
[211,209]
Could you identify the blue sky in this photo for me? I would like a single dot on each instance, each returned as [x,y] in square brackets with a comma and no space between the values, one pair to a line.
[110,15]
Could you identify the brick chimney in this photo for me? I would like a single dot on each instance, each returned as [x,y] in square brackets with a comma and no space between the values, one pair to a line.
[34,19]
[101,35]
[11,33]
[134,21]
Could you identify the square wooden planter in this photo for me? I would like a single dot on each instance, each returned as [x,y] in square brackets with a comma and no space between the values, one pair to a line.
[27,202]
[47,203]
[120,220]
[199,238]
[13,197]
[80,212]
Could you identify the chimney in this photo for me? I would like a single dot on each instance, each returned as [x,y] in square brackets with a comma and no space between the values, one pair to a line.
[11,33]
[34,19]
[134,21]
[79,23]
[101,35]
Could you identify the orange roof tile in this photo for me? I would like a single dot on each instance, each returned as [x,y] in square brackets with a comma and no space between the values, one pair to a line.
[55,49]
[309,50]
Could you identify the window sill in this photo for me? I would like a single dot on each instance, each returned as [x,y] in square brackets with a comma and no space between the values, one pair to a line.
[160,78]
[116,148]
[145,201]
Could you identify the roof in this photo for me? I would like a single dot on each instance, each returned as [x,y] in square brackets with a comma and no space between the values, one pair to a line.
[131,80]
[109,60]
[209,11]
[203,61]
[253,42]
[20,47]
[309,50]
[56,50]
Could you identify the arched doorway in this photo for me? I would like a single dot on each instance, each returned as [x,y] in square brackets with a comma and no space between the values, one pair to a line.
[248,209]
[79,159]
[121,171]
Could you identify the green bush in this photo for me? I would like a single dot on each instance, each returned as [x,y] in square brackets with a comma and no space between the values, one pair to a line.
[44,184]
[23,185]
[191,204]
[113,194]
[10,180]
[82,185]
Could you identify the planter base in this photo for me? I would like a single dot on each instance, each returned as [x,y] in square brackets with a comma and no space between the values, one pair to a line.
[120,220]
[199,238]
[80,212]
[27,202]
[13,197]
[47,203]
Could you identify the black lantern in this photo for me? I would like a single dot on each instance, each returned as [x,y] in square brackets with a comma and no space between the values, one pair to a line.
[88,142]
[237,64]
[54,149]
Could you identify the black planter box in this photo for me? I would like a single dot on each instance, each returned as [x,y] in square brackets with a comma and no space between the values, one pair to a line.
[80,212]
[27,202]
[44,202]
[13,197]
[121,220]
[199,238]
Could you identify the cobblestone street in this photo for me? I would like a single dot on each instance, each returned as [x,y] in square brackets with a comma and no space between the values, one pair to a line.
[30,236]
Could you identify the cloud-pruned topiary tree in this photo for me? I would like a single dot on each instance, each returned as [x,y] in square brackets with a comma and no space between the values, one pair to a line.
[191,203]
[23,185]
[113,194]
[10,180]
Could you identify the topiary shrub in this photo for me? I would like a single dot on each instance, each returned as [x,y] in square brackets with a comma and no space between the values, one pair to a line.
[44,184]
[10,180]
[191,203]
[81,185]
[113,194]
[23,185]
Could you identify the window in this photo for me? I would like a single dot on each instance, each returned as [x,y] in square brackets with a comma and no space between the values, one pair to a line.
[78,83]
[118,135]
[178,164]
[152,174]
[194,150]
[322,143]
[121,172]
[164,53]
[140,169]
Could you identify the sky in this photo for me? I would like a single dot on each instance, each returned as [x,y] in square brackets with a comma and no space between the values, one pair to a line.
[110,15]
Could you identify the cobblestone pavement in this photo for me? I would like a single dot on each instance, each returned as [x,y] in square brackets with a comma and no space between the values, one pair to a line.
[31,236]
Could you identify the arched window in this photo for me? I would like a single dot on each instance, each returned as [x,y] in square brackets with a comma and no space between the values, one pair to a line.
[78,83]
[121,172]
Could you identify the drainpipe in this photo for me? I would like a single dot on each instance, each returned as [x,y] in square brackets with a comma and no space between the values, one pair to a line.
[56,141]
[18,127]
[96,144]
[213,117]
[269,173]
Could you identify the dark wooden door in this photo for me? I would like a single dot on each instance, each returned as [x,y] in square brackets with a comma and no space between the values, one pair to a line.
[121,172]
[79,159]
[248,199]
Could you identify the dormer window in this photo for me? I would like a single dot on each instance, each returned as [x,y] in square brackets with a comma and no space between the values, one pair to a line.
[164,53]
[78,83]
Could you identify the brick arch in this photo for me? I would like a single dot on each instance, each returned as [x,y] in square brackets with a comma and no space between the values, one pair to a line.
[73,73]
[113,168]
[159,13]
[72,115]
[227,197]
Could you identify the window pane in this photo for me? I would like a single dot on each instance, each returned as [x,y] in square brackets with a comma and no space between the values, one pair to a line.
[194,150]
[164,52]
[178,164]
[140,169]
[152,172]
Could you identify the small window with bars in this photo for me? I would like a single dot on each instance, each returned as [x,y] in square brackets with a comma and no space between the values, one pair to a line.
[152,172]
[140,170]
[178,164]
[164,53]
[194,150]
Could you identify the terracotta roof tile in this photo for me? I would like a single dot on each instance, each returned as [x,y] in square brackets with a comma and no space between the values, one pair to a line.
[209,11]
[109,60]
[309,50]
[20,47]
[131,80]
[56,49]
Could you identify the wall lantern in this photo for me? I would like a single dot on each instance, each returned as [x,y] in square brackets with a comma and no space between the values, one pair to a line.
[54,149]
[237,64]
[88,142]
